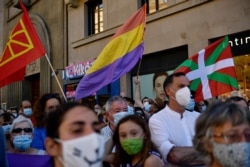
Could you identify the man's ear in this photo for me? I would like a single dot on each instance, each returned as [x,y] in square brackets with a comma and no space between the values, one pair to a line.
[168,91]
[108,116]
[53,148]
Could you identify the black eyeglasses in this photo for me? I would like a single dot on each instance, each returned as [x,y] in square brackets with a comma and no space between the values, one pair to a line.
[19,130]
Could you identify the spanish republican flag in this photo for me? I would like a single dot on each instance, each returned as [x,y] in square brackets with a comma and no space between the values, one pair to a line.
[117,58]
[22,48]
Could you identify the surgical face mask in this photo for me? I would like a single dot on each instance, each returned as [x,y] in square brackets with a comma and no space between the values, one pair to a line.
[147,106]
[130,110]
[22,142]
[190,105]
[84,151]
[118,116]
[132,146]
[232,155]
[6,129]
[96,110]
[182,96]
[27,112]
[15,114]
[203,108]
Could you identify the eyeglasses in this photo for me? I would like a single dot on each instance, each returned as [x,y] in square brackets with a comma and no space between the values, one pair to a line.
[19,130]
[233,136]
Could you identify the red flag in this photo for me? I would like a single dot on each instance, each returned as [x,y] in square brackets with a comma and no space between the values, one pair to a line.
[22,48]
[211,72]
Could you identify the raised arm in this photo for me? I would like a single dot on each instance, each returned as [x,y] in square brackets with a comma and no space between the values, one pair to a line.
[138,102]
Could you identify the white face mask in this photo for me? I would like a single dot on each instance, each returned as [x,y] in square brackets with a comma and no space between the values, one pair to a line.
[182,96]
[84,151]
[118,116]
[232,155]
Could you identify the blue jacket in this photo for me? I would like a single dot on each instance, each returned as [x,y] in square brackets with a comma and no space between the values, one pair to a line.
[3,157]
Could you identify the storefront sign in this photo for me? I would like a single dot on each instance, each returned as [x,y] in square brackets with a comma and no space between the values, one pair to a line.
[240,43]
[77,70]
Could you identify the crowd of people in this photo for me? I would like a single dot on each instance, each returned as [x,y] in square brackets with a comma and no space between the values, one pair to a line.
[168,130]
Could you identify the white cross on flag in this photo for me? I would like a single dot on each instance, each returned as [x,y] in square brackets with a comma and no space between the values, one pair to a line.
[211,71]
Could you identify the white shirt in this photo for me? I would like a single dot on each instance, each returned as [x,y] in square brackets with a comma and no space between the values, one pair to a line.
[168,129]
[107,133]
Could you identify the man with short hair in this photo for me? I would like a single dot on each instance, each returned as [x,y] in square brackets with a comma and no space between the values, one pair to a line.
[26,109]
[172,128]
[116,108]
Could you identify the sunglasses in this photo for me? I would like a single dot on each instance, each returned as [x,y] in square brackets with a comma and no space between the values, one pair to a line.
[19,130]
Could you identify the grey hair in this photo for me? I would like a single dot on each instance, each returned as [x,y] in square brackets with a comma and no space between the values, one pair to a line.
[113,99]
[216,115]
[20,119]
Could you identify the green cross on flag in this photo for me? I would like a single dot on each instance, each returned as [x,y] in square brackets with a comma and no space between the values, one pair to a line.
[211,71]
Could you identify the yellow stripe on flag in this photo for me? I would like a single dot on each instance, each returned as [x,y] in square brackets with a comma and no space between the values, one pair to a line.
[118,47]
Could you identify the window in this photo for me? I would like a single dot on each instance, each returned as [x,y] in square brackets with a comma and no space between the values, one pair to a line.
[95,17]
[155,5]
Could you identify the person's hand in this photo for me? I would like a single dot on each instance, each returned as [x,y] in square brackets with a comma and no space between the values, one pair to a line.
[137,81]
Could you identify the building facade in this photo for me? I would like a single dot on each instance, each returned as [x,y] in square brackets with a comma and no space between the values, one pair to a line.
[78,30]
[48,20]
[175,30]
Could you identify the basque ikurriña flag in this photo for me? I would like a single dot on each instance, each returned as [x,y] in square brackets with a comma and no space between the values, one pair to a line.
[211,71]
[22,48]
[117,58]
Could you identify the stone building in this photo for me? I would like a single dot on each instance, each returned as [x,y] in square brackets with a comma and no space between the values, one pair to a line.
[76,31]
[47,17]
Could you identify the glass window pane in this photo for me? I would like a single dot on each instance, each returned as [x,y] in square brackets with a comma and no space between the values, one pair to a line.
[162,4]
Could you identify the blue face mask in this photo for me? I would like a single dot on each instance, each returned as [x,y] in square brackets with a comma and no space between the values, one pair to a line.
[190,105]
[15,114]
[22,142]
[203,108]
[6,129]
[27,112]
[147,106]
[130,110]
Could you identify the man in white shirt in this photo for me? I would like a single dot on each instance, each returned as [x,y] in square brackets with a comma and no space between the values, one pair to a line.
[172,128]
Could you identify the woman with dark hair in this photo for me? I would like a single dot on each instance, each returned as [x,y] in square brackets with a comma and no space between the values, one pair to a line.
[73,138]
[158,80]
[47,103]
[133,145]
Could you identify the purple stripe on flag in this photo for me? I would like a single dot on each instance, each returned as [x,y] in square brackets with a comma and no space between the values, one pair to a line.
[25,160]
[96,80]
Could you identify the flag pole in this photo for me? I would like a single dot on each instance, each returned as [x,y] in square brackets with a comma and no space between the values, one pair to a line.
[139,67]
[53,72]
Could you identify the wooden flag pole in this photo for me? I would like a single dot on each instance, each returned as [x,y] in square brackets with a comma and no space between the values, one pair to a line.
[53,72]
[139,67]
